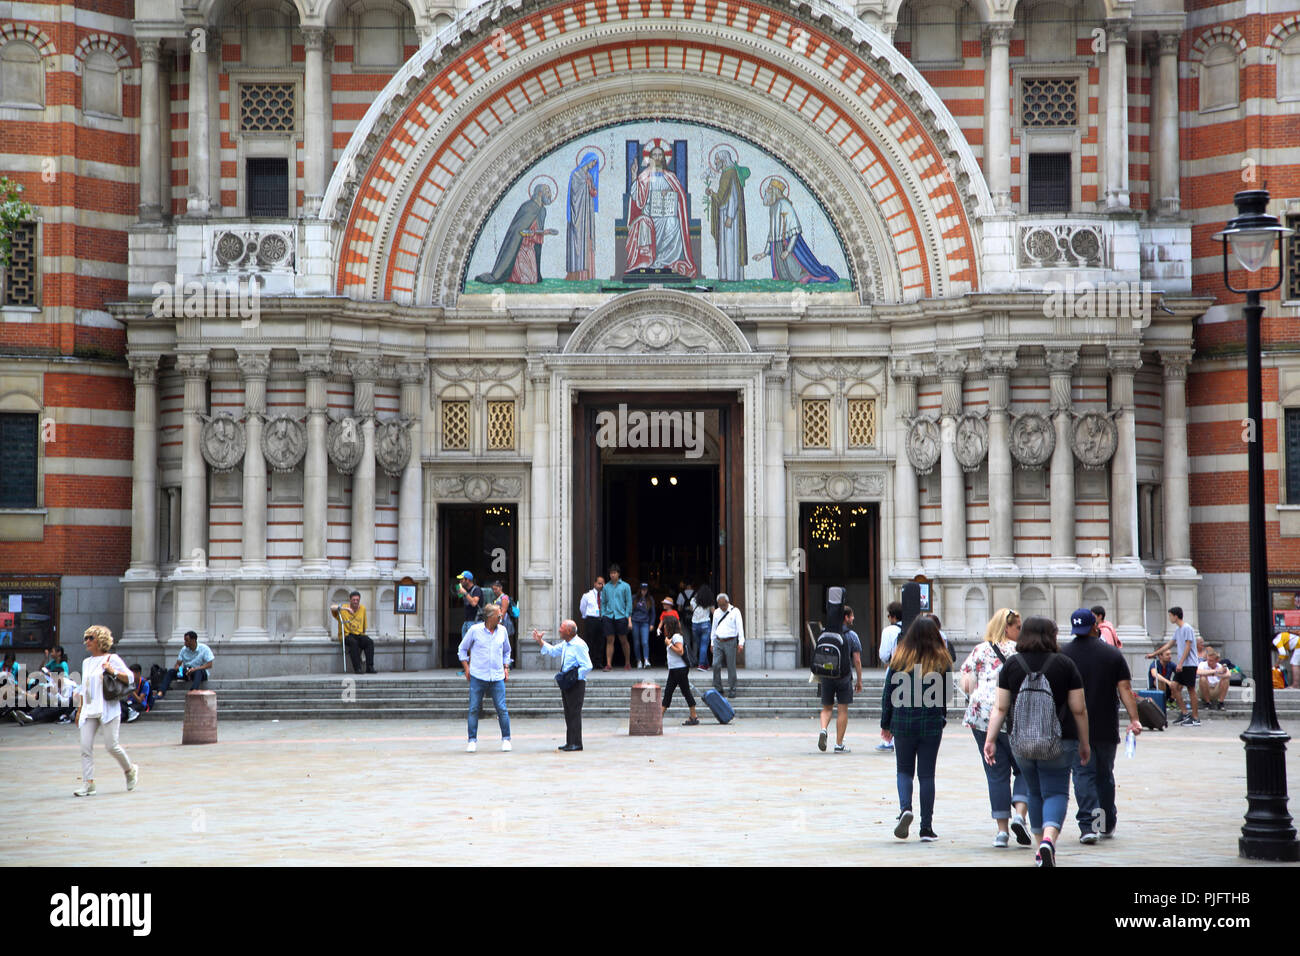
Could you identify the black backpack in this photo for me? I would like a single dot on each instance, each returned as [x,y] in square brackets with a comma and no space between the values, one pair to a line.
[832,658]
[156,674]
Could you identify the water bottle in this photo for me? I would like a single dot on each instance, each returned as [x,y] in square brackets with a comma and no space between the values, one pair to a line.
[1130,744]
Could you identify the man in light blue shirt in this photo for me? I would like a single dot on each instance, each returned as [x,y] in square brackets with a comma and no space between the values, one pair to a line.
[484,652]
[192,664]
[572,654]
[616,615]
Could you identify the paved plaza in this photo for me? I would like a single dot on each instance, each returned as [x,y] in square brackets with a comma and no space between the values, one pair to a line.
[756,792]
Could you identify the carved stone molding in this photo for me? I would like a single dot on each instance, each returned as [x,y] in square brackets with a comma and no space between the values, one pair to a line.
[1062,245]
[478,378]
[840,486]
[1032,440]
[923,446]
[1175,363]
[345,443]
[254,364]
[284,443]
[144,367]
[222,441]
[411,372]
[972,441]
[1124,359]
[393,446]
[315,364]
[839,375]
[251,249]
[478,487]
[364,368]
[656,320]
[1094,439]
[193,364]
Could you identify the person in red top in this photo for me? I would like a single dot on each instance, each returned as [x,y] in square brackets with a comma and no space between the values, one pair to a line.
[1107,629]
[669,609]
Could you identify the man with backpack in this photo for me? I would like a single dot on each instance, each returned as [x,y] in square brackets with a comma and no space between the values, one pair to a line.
[1106,681]
[841,687]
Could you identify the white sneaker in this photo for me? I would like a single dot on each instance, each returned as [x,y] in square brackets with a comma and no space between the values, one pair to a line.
[1089,838]
[471,747]
[821,740]
[87,790]
[505,746]
[1001,839]
[132,776]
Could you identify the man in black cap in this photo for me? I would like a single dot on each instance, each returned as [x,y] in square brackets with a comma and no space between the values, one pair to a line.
[1106,681]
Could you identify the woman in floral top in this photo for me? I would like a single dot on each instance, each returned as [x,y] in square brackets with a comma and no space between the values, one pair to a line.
[979,680]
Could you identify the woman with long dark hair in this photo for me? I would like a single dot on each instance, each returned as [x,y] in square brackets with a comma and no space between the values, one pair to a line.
[702,622]
[914,710]
[1048,779]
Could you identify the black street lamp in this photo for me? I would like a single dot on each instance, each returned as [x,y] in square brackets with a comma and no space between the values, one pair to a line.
[1268,833]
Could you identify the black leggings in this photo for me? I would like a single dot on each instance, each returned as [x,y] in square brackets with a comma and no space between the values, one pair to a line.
[679,677]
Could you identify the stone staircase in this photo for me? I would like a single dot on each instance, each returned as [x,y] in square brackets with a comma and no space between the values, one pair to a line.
[444,695]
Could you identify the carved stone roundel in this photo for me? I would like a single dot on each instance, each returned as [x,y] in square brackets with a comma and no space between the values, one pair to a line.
[393,447]
[223,442]
[1033,439]
[345,444]
[839,487]
[923,445]
[972,441]
[477,488]
[1095,439]
[284,442]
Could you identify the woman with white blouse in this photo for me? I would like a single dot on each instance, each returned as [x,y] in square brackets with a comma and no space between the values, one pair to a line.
[95,713]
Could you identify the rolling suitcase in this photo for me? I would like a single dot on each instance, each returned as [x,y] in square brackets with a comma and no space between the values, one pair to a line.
[1151,714]
[720,706]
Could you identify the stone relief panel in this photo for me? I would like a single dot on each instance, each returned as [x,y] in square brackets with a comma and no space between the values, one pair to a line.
[840,486]
[478,487]
[1095,439]
[923,444]
[393,447]
[839,375]
[284,443]
[222,441]
[1033,439]
[478,378]
[345,444]
[972,441]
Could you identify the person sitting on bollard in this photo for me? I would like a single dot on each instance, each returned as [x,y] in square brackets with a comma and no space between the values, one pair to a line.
[193,662]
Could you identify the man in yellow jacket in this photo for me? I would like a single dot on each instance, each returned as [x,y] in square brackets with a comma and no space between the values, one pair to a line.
[353,616]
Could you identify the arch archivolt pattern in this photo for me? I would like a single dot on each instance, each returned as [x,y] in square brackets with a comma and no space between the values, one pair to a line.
[871,126]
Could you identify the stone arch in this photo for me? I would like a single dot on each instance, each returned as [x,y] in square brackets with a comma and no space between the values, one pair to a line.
[106,42]
[1279,35]
[1033,602]
[823,81]
[657,320]
[28,33]
[221,613]
[282,613]
[975,613]
[1207,39]
[1095,594]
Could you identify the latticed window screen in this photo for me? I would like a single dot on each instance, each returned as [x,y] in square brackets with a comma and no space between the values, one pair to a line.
[1048,102]
[455,426]
[20,275]
[18,452]
[1292,426]
[862,422]
[816,423]
[501,425]
[266,107]
[1291,290]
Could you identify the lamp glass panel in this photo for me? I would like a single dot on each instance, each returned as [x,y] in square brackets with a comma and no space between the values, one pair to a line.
[1251,248]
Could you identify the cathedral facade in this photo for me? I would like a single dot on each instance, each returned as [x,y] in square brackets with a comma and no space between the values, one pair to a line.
[773,296]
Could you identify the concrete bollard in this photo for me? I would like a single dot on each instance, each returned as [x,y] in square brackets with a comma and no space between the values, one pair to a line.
[200,718]
[647,715]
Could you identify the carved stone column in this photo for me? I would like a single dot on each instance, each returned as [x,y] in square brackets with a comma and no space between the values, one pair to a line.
[314,123]
[410,504]
[779,646]
[1167,147]
[1001,498]
[907,512]
[540,611]
[952,367]
[1174,492]
[140,580]
[150,208]
[1117,196]
[362,561]
[1124,362]
[315,472]
[173,524]
[997,149]
[192,562]
[199,159]
[1060,364]
[250,598]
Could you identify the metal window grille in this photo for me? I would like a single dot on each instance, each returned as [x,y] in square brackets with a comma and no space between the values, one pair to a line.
[20,275]
[1291,281]
[862,422]
[501,425]
[1292,427]
[1049,182]
[266,108]
[816,423]
[19,444]
[1048,102]
[268,187]
[455,426]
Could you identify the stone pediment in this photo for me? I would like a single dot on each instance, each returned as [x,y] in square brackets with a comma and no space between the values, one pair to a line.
[657,321]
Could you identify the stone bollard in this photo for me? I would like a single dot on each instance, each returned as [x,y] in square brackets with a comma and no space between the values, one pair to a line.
[647,715]
[200,718]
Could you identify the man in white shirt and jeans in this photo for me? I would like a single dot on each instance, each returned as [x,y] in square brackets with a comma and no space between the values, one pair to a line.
[485,654]
[728,638]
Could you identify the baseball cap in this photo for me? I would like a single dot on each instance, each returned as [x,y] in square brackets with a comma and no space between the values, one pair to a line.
[466,574]
[1082,622]
[668,601]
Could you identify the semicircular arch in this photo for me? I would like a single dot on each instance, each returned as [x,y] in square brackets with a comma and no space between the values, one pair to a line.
[655,320]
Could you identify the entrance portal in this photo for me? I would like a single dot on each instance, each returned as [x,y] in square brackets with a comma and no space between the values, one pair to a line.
[479,539]
[841,542]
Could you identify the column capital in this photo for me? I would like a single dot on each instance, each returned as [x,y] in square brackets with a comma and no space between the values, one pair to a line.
[254,364]
[906,370]
[1124,360]
[364,368]
[317,364]
[412,373]
[1117,31]
[1168,43]
[1000,362]
[313,38]
[1061,361]
[150,49]
[144,366]
[997,34]
[1175,362]
[193,364]
[951,365]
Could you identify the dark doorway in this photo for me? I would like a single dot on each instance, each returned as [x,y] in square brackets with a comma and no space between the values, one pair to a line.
[480,539]
[841,545]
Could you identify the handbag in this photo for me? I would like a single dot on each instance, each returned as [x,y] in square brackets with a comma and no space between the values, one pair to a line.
[115,688]
[567,679]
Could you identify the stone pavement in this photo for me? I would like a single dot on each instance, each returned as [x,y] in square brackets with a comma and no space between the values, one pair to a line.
[757,792]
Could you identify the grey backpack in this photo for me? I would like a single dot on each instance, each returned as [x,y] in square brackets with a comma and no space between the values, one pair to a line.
[1035,725]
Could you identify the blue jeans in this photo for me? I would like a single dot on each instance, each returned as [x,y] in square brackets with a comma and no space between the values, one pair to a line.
[701,632]
[1094,789]
[916,755]
[1049,786]
[497,688]
[641,640]
[1002,791]
[464,628]
[196,679]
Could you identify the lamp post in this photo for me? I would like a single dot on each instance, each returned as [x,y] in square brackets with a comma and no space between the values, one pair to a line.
[1268,833]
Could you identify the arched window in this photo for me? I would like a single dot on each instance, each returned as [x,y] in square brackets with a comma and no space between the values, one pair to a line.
[101,85]
[22,79]
[379,38]
[1288,69]
[1219,77]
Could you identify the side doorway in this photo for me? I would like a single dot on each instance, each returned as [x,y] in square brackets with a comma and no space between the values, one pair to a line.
[841,542]
[480,539]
